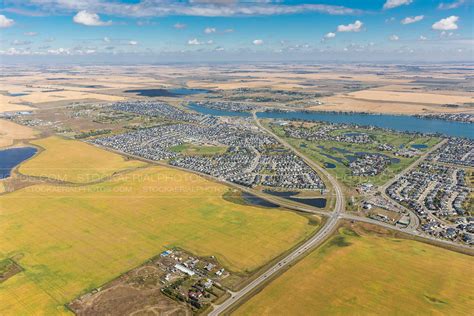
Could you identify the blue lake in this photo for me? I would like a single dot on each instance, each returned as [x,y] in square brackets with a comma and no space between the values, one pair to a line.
[12,157]
[166,92]
[187,91]
[394,122]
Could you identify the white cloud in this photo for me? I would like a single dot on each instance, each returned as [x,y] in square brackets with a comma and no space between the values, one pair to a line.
[106,39]
[452,5]
[353,27]
[46,50]
[330,35]
[30,33]
[14,51]
[257,42]
[228,30]
[423,38]
[394,38]
[149,8]
[446,34]
[412,19]
[90,19]
[5,22]
[60,51]
[20,43]
[446,24]
[133,43]
[219,49]
[194,41]
[390,4]
[209,30]
[179,26]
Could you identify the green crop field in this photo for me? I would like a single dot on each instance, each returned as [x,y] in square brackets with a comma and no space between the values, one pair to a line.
[74,161]
[367,274]
[191,149]
[70,239]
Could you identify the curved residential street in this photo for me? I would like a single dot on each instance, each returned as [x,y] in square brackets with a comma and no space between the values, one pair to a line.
[325,231]
[414,220]
[314,241]
[319,237]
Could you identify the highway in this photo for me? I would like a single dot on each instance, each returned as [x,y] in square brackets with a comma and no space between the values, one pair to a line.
[339,207]
[311,243]
[320,236]
[326,231]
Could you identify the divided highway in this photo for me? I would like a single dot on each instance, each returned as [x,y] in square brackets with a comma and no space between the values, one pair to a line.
[321,235]
[314,241]
[326,231]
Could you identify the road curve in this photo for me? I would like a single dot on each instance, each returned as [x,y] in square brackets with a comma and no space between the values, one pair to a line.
[414,220]
[314,241]
[335,185]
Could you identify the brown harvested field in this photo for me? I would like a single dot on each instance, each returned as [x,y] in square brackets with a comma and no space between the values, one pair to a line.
[389,89]
[240,83]
[6,106]
[348,104]
[10,132]
[419,88]
[409,97]
[39,97]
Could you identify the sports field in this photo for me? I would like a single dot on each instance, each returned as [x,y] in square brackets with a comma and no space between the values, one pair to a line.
[74,161]
[71,239]
[367,274]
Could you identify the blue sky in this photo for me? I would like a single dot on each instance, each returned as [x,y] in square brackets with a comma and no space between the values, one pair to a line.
[229,30]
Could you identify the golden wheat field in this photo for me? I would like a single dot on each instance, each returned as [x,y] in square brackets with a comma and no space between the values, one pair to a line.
[74,161]
[71,239]
[366,274]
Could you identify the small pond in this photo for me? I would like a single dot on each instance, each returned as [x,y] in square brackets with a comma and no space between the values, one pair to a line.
[290,195]
[329,165]
[255,200]
[419,146]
